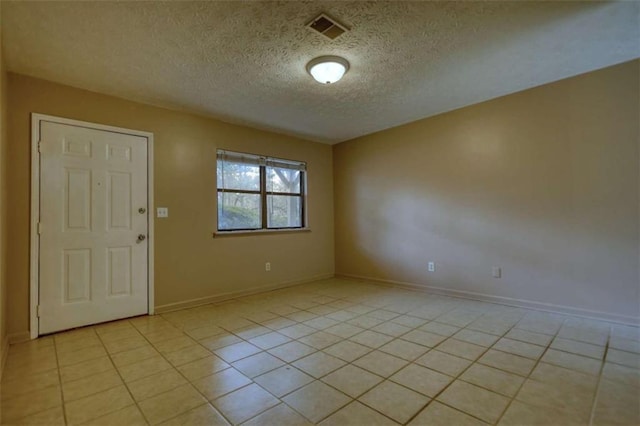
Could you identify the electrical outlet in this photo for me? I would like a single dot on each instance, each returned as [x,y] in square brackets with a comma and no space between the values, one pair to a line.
[163,212]
[497,272]
[431,267]
[267,266]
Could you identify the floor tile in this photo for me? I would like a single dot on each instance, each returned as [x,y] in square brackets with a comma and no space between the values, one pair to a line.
[380,363]
[134,355]
[621,374]
[627,345]
[423,338]
[237,351]
[97,405]
[129,416]
[421,379]
[617,404]
[316,401]
[495,380]
[475,337]
[371,339]
[357,414]
[461,349]
[258,364]
[204,332]
[474,400]
[392,329]
[202,367]
[320,340]
[186,355]
[507,362]
[90,385]
[572,362]
[529,337]
[139,370]
[170,404]
[291,351]
[283,380]
[50,417]
[156,384]
[75,357]
[321,323]
[347,351]
[519,348]
[561,376]
[394,401]
[519,414]
[628,359]
[219,341]
[201,415]
[352,380]
[269,340]
[280,415]
[221,383]
[30,383]
[84,369]
[437,414]
[319,364]
[31,403]
[344,330]
[245,403]
[444,363]
[567,398]
[439,328]
[404,349]
[578,348]
[297,331]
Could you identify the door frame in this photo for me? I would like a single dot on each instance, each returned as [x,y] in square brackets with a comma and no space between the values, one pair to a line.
[34,260]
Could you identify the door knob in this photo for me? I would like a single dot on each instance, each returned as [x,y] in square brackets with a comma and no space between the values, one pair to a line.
[141,238]
[142,210]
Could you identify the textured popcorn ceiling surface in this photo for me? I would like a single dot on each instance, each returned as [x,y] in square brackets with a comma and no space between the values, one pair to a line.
[244,62]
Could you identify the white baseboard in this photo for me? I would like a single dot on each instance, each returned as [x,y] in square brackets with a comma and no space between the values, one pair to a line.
[520,303]
[162,309]
[3,355]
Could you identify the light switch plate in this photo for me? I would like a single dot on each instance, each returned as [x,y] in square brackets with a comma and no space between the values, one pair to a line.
[163,212]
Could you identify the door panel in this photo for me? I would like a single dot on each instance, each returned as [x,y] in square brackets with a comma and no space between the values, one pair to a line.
[93,268]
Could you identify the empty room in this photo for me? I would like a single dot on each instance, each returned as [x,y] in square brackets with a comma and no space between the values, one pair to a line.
[309,212]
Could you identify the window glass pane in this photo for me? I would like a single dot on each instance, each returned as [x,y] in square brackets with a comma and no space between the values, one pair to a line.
[232,175]
[238,211]
[284,211]
[283,180]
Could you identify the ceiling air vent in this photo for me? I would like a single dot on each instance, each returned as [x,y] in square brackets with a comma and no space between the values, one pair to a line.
[328,27]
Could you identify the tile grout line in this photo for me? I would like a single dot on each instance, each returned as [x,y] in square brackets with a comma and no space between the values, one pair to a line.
[64,406]
[600,378]
[124,383]
[183,376]
[458,377]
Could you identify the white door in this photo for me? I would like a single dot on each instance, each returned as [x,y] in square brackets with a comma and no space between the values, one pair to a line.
[93,226]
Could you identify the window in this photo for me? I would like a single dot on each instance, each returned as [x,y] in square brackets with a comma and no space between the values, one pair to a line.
[257,192]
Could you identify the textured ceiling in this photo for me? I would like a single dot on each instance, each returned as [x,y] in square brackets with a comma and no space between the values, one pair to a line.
[244,62]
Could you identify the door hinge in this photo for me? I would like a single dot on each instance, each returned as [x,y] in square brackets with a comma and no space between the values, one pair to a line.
[39,228]
[38,311]
[39,147]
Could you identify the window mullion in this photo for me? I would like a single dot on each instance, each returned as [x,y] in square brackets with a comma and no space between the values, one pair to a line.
[263,195]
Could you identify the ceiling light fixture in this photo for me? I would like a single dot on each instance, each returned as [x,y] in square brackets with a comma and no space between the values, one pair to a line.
[327,69]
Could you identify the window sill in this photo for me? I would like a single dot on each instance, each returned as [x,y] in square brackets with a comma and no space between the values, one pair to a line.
[225,234]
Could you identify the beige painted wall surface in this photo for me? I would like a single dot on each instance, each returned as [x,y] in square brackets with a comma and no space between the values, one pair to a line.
[543,183]
[189,263]
[3,204]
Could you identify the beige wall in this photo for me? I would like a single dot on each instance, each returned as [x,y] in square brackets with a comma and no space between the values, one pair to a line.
[189,263]
[543,183]
[3,204]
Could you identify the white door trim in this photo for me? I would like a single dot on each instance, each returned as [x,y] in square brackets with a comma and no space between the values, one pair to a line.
[34,278]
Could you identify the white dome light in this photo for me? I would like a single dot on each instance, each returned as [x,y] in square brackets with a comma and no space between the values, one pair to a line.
[327,69]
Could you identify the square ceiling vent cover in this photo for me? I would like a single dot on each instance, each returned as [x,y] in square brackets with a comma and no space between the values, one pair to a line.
[327,26]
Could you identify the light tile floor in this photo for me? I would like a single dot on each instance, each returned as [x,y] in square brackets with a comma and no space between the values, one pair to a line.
[334,352]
